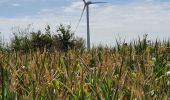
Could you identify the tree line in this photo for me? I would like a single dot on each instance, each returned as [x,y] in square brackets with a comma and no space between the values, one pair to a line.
[62,39]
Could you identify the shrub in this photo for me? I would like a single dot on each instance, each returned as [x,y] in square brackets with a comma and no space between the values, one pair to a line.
[40,41]
[63,40]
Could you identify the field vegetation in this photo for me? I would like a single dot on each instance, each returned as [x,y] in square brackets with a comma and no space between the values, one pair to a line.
[50,67]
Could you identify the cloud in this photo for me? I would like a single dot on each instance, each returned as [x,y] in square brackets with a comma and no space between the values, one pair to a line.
[15,5]
[77,6]
[128,21]
[106,22]
[37,22]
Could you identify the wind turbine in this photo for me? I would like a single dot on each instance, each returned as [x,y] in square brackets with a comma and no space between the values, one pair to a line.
[86,6]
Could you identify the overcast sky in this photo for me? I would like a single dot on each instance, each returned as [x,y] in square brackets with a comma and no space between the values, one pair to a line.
[126,19]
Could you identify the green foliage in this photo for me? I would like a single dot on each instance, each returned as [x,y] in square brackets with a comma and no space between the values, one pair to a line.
[63,40]
[21,43]
[40,40]
[139,70]
[1,43]
[65,37]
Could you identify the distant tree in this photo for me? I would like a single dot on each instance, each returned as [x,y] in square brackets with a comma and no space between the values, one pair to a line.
[79,43]
[40,40]
[20,43]
[21,39]
[63,40]
[47,29]
[65,37]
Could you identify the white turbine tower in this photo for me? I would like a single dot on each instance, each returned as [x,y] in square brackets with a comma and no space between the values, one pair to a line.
[86,6]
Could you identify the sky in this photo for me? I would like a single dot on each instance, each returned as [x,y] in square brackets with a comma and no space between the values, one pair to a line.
[117,19]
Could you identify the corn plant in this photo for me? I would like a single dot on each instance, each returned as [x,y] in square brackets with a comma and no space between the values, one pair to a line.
[135,70]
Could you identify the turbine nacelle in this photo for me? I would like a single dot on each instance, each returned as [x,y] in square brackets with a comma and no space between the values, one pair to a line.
[89,2]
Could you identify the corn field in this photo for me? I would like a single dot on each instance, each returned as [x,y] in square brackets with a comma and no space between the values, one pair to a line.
[139,70]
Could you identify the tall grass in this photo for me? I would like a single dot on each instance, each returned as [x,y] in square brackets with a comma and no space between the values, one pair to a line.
[138,70]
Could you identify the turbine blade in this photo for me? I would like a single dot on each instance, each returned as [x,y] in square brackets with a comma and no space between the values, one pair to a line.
[97,2]
[80,18]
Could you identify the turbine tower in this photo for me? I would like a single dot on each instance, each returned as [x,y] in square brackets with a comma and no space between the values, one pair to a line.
[86,6]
